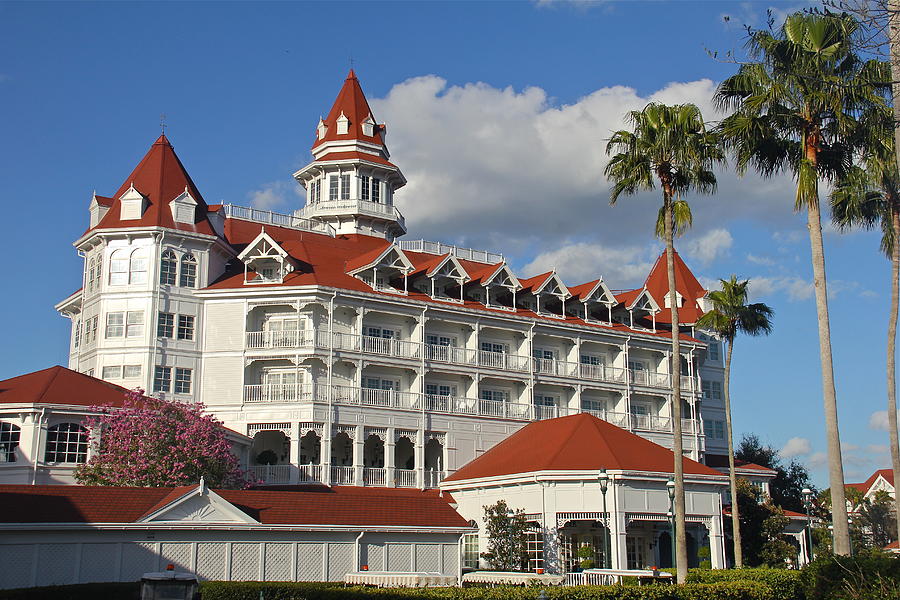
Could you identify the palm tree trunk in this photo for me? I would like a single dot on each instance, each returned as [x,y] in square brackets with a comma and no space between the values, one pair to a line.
[891,356]
[681,557]
[732,477]
[829,397]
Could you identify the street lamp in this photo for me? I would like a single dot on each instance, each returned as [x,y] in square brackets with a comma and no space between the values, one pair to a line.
[807,502]
[604,485]
[670,487]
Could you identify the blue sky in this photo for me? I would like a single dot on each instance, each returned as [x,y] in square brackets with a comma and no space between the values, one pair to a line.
[497,113]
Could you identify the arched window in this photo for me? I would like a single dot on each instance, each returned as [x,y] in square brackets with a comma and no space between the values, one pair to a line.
[9,441]
[66,443]
[188,271]
[168,268]
[137,270]
[89,279]
[118,267]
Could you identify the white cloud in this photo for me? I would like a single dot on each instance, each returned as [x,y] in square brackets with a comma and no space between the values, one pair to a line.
[709,246]
[818,460]
[512,171]
[796,446]
[796,288]
[760,260]
[789,237]
[274,195]
[576,263]
[879,420]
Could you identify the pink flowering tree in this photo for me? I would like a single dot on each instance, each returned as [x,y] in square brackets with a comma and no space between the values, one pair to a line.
[150,442]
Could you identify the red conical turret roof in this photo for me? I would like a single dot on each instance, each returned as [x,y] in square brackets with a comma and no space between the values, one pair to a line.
[160,178]
[352,103]
[657,285]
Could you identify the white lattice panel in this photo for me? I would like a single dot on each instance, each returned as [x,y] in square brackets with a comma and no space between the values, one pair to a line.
[178,555]
[245,562]
[16,565]
[451,557]
[340,561]
[309,562]
[374,557]
[138,559]
[399,556]
[428,558]
[56,564]
[211,561]
[278,562]
[98,563]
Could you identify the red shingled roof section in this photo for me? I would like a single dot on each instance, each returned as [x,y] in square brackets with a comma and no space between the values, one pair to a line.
[103,200]
[353,104]
[581,291]
[535,282]
[741,464]
[657,284]
[356,155]
[59,385]
[579,442]
[300,505]
[160,177]
[888,474]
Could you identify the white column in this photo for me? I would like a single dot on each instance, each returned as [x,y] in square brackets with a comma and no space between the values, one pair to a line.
[389,449]
[420,459]
[717,543]
[616,508]
[358,449]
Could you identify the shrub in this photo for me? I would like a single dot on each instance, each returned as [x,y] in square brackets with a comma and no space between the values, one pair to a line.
[862,576]
[785,584]
[81,591]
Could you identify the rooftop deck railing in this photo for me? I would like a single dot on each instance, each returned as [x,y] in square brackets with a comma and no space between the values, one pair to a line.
[429,247]
[268,217]
[360,207]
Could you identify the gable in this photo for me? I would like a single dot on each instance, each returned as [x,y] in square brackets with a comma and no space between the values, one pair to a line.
[504,276]
[553,285]
[449,267]
[199,505]
[644,301]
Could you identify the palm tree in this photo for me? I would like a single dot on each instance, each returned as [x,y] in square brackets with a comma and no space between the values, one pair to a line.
[869,197]
[671,145]
[796,106]
[729,316]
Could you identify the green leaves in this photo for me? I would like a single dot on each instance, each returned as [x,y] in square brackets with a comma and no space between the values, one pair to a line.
[731,314]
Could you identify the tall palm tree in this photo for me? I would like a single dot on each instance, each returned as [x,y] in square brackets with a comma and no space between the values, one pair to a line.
[869,197]
[796,105]
[672,146]
[729,316]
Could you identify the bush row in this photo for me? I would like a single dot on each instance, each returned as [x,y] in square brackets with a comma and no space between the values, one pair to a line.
[734,590]
[81,591]
[785,584]
[871,574]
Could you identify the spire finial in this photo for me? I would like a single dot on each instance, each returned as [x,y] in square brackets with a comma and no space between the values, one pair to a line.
[162,123]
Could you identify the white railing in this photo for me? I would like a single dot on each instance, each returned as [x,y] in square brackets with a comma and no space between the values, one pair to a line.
[649,378]
[280,339]
[390,347]
[502,360]
[375,477]
[542,413]
[271,474]
[341,475]
[429,247]
[363,207]
[310,473]
[433,478]
[405,478]
[279,392]
[602,373]
[268,217]
[450,354]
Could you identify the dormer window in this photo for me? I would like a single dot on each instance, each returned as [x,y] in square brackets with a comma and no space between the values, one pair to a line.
[184,208]
[447,279]
[265,261]
[380,273]
[343,125]
[368,126]
[321,129]
[132,205]
[678,298]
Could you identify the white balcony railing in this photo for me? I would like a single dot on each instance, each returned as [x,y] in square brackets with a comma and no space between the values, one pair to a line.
[429,247]
[450,354]
[341,475]
[405,478]
[280,339]
[362,207]
[502,360]
[279,392]
[310,473]
[271,474]
[268,217]
[433,478]
[374,477]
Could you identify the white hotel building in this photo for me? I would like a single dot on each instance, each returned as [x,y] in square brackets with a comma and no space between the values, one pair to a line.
[351,356]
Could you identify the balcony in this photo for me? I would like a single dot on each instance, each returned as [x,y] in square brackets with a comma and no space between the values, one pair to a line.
[357,207]
[302,338]
[405,478]
[341,475]
[271,474]
[279,392]
[502,360]
[374,477]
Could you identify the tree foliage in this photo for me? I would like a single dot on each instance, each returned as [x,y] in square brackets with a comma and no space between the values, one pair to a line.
[507,531]
[150,442]
[763,542]
[787,487]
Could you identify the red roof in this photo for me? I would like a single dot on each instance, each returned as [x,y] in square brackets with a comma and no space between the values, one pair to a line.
[579,442]
[59,385]
[581,291]
[160,178]
[742,464]
[353,155]
[352,103]
[657,285]
[887,474]
[536,281]
[300,505]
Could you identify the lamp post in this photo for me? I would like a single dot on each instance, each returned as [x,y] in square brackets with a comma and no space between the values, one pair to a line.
[670,487]
[807,502]
[604,485]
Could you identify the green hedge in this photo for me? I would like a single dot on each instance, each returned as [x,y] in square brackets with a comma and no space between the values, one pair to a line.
[736,590]
[871,574]
[81,591]
[785,584]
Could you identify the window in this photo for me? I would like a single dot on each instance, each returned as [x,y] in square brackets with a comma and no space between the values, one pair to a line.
[90,332]
[592,405]
[470,551]
[381,333]
[137,269]
[713,349]
[185,327]
[364,187]
[544,400]
[436,389]
[345,187]
[332,188]
[9,441]
[183,380]
[534,546]
[494,347]
[494,395]
[134,325]
[77,327]
[162,379]
[168,268]
[115,324]
[720,430]
[132,371]
[66,443]
[712,390]
[376,189]
[188,271]
[113,372]
[380,383]
[90,275]
[165,325]
[591,359]
[317,190]
[118,268]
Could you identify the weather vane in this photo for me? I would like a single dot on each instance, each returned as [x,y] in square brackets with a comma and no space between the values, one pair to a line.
[162,123]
